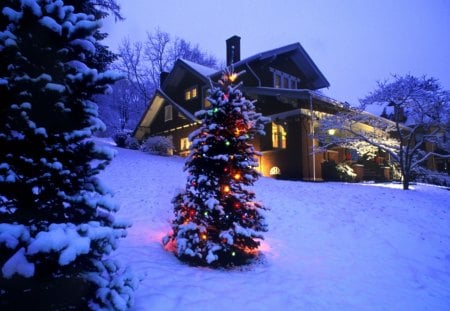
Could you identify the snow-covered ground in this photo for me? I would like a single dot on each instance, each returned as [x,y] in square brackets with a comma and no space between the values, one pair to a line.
[330,246]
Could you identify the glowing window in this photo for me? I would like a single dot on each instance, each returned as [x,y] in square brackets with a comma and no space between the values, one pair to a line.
[185,144]
[190,93]
[275,171]
[206,103]
[278,136]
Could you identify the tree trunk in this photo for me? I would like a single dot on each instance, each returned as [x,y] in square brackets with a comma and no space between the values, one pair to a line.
[405,184]
[406,180]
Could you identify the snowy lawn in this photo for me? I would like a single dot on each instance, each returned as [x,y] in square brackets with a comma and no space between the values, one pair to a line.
[330,246]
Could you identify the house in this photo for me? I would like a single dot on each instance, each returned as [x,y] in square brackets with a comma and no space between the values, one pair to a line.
[286,84]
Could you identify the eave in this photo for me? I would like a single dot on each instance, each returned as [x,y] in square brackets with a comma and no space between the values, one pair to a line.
[153,109]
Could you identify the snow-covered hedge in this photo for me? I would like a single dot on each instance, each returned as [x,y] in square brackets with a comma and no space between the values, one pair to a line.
[159,145]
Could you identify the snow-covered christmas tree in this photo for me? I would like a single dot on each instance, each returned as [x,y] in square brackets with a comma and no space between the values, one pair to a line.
[217,220]
[56,218]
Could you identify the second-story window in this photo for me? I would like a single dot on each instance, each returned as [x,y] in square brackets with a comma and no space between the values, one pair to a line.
[276,80]
[284,80]
[278,136]
[190,93]
[168,113]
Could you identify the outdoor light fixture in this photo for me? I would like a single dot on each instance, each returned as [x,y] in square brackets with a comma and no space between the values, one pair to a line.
[331,131]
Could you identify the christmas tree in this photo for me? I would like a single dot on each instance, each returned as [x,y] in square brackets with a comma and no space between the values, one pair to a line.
[217,220]
[56,218]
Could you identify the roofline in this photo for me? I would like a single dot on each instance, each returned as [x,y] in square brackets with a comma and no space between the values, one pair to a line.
[181,62]
[291,93]
[281,50]
[188,115]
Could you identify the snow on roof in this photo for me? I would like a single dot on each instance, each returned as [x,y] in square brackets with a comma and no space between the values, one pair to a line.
[375,109]
[203,70]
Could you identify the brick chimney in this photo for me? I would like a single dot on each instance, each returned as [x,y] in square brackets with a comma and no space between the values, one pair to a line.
[233,50]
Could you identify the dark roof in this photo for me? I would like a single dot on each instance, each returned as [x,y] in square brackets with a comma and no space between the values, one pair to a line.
[299,56]
[291,93]
[154,107]
[295,51]
[180,68]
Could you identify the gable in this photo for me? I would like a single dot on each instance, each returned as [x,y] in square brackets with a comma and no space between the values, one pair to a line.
[155,108]
[290,59]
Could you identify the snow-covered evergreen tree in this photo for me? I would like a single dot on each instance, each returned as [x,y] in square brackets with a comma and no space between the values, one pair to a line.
[56,218]
[217,220]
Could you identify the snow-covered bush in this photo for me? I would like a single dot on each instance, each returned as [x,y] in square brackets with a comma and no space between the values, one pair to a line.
[345,172]
[56,218]
[124,139]
[160,145]
[132,143]
[337,172]
[120,138]
[424,175]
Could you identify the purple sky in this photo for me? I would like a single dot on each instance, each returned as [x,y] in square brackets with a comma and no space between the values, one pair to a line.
[353,42]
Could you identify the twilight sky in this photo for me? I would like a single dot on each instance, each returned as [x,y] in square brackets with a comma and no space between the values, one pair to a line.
[353,42]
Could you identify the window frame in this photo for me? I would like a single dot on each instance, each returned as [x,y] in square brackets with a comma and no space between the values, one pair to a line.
[185,144]
[168,113]
[191,93]
[279,136]
[284,80]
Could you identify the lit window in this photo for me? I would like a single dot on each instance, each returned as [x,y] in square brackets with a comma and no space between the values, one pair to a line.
[184,144]
[168,113]
[275,171]
[278,136]
[190,93]
[207,103]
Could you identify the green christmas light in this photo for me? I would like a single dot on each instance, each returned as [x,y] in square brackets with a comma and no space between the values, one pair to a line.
[233,254]
[227,143]
[216,110]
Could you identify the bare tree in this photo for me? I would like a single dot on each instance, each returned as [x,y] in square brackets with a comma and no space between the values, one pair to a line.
[132,62]
[162,50]
[157,52]
[415,126]
[143,62]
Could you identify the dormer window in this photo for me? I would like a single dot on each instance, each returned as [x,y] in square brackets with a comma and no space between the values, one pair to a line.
[190,93]
[284,80]
[276,80]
